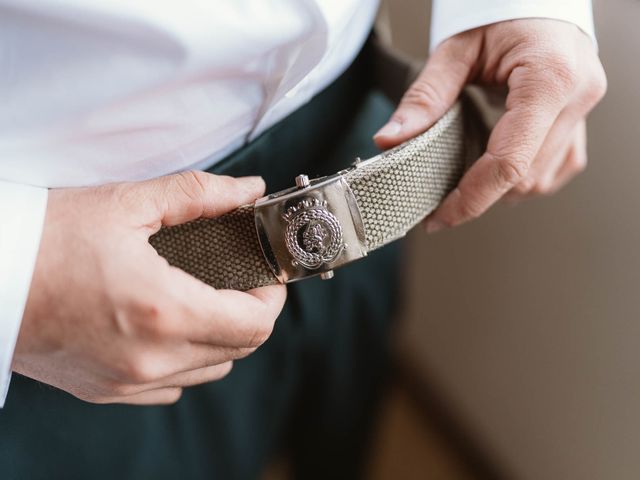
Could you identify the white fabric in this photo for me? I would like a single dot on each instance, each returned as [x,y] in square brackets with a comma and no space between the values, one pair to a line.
[22,210]
[96,91]
[449,17]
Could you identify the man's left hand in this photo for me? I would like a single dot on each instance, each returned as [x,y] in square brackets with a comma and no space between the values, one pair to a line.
[554,79]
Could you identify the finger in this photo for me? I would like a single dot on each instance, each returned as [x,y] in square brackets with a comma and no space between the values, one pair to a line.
[189,356]
[161,361]
[223,318]
[433,92]
[163,396]
[189,195]
[193,377]
[533,104]
[549,159]
[187,378]
[575,161]
[247,318]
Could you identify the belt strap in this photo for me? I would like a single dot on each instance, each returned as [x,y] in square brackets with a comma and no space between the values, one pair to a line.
[312,229]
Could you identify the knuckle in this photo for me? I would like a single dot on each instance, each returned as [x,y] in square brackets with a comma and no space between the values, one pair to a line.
[173,396]
[563,64]
[223,370]
[542,188]
[463,47]
[192,185]
[137,369]
[424,95]
[525,186]
[154,320]
[165,396]
[577,163]
[580,164]
[139,372]
[555,70]
[468,210]
[161,327]
[597,85]
[510,170]
[192,182]
[560,80]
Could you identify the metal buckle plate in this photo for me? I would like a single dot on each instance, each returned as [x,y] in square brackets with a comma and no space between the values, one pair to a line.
[310,229]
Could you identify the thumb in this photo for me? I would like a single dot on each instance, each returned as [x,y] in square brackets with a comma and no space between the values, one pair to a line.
[190,195]
[433,92]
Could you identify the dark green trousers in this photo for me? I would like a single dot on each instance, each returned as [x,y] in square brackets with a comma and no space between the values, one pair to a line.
[309,392]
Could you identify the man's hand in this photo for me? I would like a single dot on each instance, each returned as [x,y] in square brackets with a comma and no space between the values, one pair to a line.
[554,79]
[108,320]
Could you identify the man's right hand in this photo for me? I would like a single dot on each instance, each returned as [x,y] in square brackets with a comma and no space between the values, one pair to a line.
[109,321]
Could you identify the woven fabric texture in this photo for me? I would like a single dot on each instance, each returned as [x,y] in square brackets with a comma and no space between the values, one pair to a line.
[223,252]
[398,188]
[394,191]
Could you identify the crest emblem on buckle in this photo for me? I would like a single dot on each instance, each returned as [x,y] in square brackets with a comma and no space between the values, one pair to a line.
[313,234]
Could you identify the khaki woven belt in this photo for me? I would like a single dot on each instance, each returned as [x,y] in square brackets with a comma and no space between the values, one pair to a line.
[324,223]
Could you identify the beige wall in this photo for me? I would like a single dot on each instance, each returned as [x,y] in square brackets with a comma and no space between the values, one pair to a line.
[529,319]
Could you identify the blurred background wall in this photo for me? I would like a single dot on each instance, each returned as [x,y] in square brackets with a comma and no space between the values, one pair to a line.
[527,322]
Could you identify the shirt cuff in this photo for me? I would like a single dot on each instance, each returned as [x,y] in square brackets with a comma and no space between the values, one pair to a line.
[22,212]
[450,17]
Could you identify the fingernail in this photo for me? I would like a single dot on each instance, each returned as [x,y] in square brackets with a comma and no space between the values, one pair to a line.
[389,130]
[433,226]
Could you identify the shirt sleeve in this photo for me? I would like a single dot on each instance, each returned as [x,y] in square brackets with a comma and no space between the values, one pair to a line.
[22,212]
[450,17]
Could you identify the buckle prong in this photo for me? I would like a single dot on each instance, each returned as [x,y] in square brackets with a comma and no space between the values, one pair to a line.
[302,181]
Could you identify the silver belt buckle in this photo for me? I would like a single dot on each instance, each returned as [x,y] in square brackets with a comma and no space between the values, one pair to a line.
[310,229]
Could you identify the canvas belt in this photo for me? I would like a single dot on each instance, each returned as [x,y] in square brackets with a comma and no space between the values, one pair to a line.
[321,224]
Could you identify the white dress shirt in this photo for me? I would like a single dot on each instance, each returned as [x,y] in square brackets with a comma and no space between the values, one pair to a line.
[97,91]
